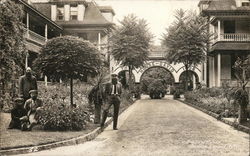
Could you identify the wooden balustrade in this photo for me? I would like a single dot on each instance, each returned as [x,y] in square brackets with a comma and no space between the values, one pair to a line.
[235,37]
[35,37]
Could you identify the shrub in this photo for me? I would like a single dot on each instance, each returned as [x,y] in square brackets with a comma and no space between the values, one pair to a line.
[212,99]
[60,116]
[57,114]
[156,89]
[177,94]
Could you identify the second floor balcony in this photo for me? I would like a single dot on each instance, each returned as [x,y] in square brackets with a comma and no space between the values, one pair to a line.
[233,37]
[34,37]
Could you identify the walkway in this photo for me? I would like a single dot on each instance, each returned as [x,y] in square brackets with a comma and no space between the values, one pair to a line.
[162,127]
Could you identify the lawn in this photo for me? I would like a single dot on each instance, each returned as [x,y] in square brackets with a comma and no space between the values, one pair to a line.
[16,138]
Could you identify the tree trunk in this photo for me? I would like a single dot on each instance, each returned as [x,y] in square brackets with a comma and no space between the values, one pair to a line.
[71,92]
[187,78]
[97,119]
[242,114]
[130,78]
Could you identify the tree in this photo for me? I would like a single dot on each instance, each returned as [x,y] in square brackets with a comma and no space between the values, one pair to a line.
[11,41]
[186,40]
[130,43]
[242,73]
[68,57]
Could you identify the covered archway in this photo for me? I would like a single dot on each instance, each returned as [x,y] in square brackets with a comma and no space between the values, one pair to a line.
[157,73]
[192,79]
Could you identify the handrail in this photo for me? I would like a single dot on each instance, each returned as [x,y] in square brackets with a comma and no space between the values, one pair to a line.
[31,35]
[235,37]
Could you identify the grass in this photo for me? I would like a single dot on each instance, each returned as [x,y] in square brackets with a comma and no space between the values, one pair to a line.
[10,138]
[13,138]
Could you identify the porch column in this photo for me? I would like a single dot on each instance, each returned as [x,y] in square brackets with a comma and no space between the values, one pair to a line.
[219,70]
[27,24]
[46,39]
[213,72]
[194,82]
[46,81]
[46,32]
[219,30]
[99,41]
[205,72]
[26,60]
[213,32]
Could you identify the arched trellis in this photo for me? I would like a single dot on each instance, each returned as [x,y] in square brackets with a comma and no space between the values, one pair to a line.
[193,79]
[175,69]
[172,76]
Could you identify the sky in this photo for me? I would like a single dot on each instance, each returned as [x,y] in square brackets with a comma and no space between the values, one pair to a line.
[158,13]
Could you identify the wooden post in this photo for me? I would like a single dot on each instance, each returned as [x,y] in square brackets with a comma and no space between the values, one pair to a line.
[99,41]
[219,30]
[26,60]
[219,70]
[46,33]
[27,24]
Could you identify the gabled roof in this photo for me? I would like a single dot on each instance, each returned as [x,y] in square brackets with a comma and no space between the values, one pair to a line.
[224,6]
[92,15]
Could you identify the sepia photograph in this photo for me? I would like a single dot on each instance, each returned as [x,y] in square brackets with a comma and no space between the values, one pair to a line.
[125,77]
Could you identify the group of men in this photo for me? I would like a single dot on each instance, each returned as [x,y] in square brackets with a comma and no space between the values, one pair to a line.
[27,105]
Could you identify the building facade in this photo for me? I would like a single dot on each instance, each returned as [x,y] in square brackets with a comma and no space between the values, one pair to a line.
[229,24]
[80,18]
[38,29]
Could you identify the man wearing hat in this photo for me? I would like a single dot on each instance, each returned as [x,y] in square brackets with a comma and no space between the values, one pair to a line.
[112,93]
[32,106]
[27,82]
[18,115]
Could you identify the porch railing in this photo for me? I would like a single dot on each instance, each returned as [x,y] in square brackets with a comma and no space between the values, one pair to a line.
[238,37]
[35,37]
[235,37]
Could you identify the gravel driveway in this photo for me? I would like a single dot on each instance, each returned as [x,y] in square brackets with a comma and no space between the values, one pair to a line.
[162,127]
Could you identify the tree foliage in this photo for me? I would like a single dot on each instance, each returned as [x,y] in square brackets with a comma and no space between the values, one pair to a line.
[130,42]
[68,57]
[11,40]
[186,39]
[156,73]
[242,72]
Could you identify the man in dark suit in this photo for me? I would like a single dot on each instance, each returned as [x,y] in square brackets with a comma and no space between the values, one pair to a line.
[112,93]
[27,83]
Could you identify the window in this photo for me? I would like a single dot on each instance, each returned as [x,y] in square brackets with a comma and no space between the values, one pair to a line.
[73,12]
[60,13]
[245,3]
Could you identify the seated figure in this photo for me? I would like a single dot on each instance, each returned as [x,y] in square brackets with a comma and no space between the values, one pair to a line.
[32,106]
[19,119]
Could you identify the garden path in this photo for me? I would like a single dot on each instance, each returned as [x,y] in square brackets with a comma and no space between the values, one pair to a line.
[162,127]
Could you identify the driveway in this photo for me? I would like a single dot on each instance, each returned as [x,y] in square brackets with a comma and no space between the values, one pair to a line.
[161,127]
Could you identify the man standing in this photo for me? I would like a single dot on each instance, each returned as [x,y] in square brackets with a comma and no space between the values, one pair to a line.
[27,82]
[113,92]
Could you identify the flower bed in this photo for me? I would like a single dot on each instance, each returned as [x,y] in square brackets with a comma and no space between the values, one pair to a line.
[211,99]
